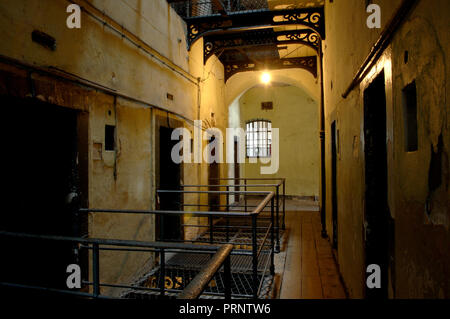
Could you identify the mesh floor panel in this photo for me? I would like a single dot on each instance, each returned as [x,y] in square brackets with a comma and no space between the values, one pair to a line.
[177,279]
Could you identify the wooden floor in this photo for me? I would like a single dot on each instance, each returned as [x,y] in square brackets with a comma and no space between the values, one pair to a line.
[310,271]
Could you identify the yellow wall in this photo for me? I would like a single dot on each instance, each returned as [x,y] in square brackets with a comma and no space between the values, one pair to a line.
[295,113]
[420,252]
[98,54]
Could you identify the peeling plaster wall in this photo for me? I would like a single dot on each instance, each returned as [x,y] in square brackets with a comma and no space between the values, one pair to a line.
[421,187]
[421,255]
[100,55]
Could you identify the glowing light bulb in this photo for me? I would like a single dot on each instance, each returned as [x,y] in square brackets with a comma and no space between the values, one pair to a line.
[266,78]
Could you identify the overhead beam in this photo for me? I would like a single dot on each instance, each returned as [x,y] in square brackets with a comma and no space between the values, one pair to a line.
[312,18]
[216,44]
[308,63]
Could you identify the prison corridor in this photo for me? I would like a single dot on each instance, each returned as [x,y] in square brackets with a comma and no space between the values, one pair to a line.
[305,267]
[310,270]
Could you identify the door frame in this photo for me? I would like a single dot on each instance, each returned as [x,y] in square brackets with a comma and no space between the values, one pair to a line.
[334,205]
[168,122]
[375,227]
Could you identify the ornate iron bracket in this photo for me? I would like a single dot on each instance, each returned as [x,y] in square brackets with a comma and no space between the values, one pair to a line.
[308,63]
[216,44]
[312,18]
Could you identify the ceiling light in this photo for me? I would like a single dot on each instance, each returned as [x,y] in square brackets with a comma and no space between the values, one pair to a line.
[266,78]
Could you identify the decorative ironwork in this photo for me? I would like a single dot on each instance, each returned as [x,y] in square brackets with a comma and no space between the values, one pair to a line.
[241,33]
[306,18]
[216,44]
[312,18]
[308,63]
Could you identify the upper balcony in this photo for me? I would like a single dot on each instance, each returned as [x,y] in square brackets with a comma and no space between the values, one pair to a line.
[208,8]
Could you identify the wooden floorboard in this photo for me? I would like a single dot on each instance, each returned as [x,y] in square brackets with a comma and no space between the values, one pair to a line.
[310,271]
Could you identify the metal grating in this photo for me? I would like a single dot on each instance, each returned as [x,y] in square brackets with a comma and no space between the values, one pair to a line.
[239,263]
[203,8]
[181,268]
[177,279]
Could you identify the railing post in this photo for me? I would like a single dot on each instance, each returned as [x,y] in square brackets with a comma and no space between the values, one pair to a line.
[255,257]
[228,198]
[277,222]
[76,229]
[227,231]
[245,195]
[272,239]
[162,272]
[284,204]
[96,269]
[211,232]
[227,277]
[161,227]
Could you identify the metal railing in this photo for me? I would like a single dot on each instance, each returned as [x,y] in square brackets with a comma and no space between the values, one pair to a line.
[221,255]
[280,186]
[280,201]
[256,249]
[198,285]
[197,246]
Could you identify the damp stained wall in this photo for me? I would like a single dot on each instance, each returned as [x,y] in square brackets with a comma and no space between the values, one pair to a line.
[420,258]
[124,179]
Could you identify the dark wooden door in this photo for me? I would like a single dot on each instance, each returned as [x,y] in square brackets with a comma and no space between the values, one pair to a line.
[169,179]
[39,171]
[376,192]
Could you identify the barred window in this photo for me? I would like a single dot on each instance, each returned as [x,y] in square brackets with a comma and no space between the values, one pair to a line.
[259,138]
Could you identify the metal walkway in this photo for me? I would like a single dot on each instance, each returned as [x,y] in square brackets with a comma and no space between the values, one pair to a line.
[231,257]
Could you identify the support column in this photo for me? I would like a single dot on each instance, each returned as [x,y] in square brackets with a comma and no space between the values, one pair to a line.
[322,150]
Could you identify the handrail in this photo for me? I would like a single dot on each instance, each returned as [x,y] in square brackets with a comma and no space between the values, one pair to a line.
[256,211]
[198,284]
[254,214]
[249,179]
[282,184]
[113,242]
[166,212]
[222,254]
[249,185]
[212,192]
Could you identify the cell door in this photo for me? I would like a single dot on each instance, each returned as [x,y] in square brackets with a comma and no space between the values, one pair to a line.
[39,171]
[169,179]
[376,191]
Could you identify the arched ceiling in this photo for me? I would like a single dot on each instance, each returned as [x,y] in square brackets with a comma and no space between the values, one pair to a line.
[241,82]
